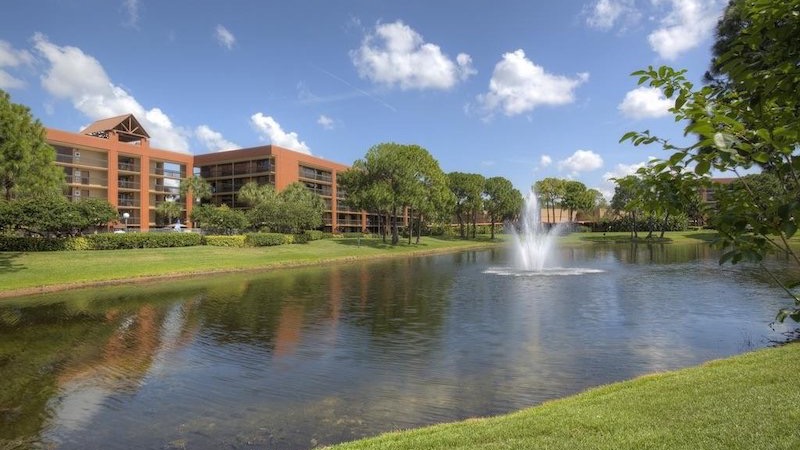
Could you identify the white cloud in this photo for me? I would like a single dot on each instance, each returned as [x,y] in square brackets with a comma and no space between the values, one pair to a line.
[224,37]
[397,55]
[603,14]
[10,57]
[272,131]
[518,86]
[326,122]
[132,10]
[686,25]
[623,170]
[213,140]
[581,161]
[645,102]
[545,161]
[81,79]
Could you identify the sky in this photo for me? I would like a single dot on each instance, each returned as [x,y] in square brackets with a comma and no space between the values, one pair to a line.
[521,89]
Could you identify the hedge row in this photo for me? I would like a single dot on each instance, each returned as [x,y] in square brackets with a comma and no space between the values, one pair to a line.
[225,241]
[117,241]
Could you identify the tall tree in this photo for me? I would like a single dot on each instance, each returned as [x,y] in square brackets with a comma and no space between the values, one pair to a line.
[394,179]
[300,209]
[550,191]
[574,198]
[26,160]
[746,118]
[197,187]
[254,194]
[169,209]
[467,189]
[502,201]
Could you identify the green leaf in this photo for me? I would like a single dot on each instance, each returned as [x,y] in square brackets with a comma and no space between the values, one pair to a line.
[628,135]
[702,167]
[761,157]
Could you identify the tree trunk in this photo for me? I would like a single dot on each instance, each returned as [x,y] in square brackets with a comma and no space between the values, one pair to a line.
[474,224]
[666,224]
[492,220]
[410,224]
[461,226]
[395,234]
[419,229]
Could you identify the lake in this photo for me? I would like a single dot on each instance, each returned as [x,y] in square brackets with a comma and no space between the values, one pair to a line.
[297,358]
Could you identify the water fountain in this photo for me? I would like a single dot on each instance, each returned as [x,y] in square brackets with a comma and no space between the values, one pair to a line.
[533,244]
[533,247]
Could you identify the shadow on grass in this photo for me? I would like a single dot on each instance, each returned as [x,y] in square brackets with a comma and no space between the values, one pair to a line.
[7,263]
[369,243]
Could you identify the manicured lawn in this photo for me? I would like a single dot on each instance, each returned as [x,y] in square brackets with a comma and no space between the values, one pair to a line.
[35,270]
[745,402]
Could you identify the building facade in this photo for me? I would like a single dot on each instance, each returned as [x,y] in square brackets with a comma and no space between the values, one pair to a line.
[112,159]
[228,171]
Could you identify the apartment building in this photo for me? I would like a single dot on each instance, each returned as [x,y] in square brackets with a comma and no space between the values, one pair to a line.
[228,171]
[112,159]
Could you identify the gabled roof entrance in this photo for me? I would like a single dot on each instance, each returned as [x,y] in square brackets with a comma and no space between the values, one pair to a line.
[126,127]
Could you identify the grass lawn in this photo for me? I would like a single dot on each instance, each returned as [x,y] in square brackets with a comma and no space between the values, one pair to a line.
[22,272]
[751,401]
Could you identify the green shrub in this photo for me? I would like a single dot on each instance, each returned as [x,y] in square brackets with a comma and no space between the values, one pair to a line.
[237,240]
[77,243]
[117,241]
[40,244]
[300,238]
[314,235]
[266,239]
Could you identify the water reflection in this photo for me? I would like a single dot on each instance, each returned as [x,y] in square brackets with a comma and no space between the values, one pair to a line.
[296,358]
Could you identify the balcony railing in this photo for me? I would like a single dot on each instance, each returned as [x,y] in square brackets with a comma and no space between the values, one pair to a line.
[128,167]
[128,184]
[124,202]
[82,161]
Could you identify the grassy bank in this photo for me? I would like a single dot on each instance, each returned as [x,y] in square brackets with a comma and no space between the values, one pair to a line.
[23,272]
[745,402]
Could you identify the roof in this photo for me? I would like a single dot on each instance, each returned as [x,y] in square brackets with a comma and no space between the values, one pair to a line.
[126,126]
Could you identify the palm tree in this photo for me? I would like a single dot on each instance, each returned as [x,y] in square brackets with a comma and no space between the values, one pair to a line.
[169,209]
[197,186]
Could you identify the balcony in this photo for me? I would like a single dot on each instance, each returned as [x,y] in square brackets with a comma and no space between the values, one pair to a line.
[87,161]
[128,167]
[126,184]
[313,174]
[127,203]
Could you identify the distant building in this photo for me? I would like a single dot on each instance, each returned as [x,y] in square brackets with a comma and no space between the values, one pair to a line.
[112,159]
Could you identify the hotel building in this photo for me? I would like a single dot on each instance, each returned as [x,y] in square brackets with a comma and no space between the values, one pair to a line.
[112,159]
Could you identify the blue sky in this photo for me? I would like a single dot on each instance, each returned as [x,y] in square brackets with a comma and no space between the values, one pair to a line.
[520,89]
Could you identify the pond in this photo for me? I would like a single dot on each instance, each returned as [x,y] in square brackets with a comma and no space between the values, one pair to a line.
[306,357]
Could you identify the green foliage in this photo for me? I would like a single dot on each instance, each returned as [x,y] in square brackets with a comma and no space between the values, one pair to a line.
[300,210]
[267,239]
[220,219]
[118,241]
[254,194]
[40,244]
[467,189]
[169,210]
[393,178]
[54,215]
[293,210]
[238,240]
[747,117]
[502,201]
[26,160]
[314,235]
[300,238]
[550,191]
[197,187]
